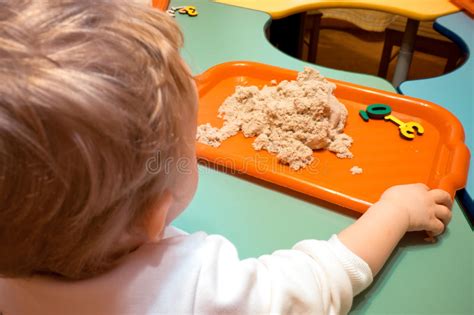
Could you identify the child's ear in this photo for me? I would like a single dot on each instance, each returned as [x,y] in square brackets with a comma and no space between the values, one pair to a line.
[155,221]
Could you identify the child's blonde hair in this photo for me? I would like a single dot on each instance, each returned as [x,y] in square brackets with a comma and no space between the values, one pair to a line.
[89,92]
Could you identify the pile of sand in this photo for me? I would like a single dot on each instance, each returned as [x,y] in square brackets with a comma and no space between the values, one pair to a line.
[290,119]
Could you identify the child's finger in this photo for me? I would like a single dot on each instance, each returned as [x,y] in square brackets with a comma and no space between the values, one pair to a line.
[421,185]
[444,214]
[441,197]
[436,227]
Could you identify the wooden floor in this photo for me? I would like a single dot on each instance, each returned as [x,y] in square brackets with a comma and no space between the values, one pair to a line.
[357,50]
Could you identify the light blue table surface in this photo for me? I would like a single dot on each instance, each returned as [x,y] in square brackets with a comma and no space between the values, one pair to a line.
[222,33]
[455,90]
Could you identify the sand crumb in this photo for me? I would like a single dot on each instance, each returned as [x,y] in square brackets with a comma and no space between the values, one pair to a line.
[289,119]
[355,170]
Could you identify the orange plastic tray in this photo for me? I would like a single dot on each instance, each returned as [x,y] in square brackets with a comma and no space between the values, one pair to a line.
[438,158]
[160,4]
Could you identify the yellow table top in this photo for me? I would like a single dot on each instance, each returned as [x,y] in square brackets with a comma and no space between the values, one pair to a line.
[422,10]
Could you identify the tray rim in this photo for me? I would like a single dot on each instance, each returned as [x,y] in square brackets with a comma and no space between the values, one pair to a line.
[160,4]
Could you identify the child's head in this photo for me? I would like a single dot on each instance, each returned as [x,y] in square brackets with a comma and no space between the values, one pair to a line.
[97,122]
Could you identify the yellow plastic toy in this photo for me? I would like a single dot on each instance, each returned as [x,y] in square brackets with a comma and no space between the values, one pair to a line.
[189,10]
[407,130]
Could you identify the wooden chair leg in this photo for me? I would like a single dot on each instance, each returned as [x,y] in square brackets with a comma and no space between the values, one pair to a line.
[386,54]
[286,34]
[314,38]
[302,20]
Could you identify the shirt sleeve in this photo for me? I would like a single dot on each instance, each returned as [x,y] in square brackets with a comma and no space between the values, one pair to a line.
[314,277]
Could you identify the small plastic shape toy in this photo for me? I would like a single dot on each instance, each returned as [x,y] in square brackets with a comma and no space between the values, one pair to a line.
[378,111]
[363,115]
[172,11]
[189,10]
[383,111]
[407,130]
[375,111]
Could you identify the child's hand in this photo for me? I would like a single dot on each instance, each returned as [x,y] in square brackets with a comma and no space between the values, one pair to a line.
[425,209]
[400,209]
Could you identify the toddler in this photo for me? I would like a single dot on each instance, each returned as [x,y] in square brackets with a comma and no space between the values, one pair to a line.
[97,133]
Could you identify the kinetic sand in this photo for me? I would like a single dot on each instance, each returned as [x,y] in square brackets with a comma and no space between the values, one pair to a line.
[290,119]
[355,170]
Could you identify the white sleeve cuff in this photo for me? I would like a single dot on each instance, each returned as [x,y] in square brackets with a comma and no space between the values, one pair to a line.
[358,270]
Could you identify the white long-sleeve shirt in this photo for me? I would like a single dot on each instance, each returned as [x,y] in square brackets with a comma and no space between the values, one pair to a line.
[202,274]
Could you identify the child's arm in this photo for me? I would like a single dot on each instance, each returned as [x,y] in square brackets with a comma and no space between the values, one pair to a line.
[317,277]
[400,209]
